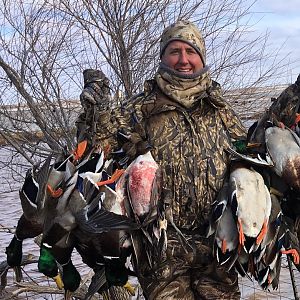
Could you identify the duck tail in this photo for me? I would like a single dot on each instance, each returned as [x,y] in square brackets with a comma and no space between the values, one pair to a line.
[97,282]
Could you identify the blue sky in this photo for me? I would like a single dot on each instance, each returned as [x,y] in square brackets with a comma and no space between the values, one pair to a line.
[282,19]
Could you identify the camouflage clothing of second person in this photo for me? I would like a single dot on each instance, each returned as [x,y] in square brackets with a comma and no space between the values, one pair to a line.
[287,106]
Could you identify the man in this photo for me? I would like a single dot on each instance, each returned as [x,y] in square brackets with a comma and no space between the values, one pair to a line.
[183,117]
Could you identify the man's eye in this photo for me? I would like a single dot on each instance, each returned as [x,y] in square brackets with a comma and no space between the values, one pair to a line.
[190,51]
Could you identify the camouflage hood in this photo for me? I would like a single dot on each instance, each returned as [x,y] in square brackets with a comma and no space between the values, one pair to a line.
[188,89]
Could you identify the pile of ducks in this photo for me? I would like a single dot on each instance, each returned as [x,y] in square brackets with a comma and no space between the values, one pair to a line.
[75,203]
[256,218]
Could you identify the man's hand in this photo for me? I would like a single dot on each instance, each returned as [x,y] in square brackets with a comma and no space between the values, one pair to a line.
[96,89]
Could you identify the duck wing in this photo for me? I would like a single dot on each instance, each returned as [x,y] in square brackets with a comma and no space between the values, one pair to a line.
[95,219]
[97,282]
[32,193]
[257,160]
[218,208]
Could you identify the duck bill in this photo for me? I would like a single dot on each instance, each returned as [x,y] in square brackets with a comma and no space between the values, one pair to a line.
[129,288]
[58,281]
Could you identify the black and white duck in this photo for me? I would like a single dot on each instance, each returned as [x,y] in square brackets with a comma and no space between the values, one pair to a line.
[81,215]
[30,224]
[224,228]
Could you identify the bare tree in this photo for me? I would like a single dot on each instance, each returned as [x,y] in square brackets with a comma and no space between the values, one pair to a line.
[37,81]
[45,46]
[126,34]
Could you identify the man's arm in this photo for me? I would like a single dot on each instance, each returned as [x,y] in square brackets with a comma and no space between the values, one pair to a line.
[287,106]
[99,122]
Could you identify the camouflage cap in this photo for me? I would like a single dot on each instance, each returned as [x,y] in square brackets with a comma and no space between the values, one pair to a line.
[187,32]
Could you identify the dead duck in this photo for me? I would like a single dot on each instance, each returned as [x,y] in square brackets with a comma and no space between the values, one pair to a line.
[251,206]
[81,215]
[267,257]
[38,183]
[33,193]
[223,226]
[94,246]
[30,224]
[269,266]
[109,271]
[226,238]
[91,167]
[48,266]
[139,188]
[143,185]
[55,262]
[283,146]
[278,148]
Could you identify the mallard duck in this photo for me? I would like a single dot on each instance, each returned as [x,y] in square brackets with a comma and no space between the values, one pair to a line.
[288,241]
[264,262]
[117,273]
[101,234]
[48,266]
[108,271]
[223,225]
[91,167]
[281,151]
[267,257]
[251,205]
[114,288]
[70,277]
[269,265]
[283,145]
[38,184]
[30,224]
[226,238]
[81,215]
[55,246]
[59,256]
[143,184]
[33,196]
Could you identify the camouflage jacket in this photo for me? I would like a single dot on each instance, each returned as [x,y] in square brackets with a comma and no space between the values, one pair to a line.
[287,105]
[188,145]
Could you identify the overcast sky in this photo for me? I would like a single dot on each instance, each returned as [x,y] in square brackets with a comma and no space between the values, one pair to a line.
[282,19]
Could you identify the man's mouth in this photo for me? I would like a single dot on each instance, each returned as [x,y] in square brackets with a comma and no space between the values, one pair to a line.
[185,70]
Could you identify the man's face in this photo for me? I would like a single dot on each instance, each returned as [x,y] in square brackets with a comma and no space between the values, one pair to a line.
[182,58]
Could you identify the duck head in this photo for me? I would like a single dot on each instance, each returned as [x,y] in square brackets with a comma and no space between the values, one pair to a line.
[14,252]
[48,266]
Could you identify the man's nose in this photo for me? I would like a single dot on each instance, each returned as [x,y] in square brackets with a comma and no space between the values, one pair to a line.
[183,59]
